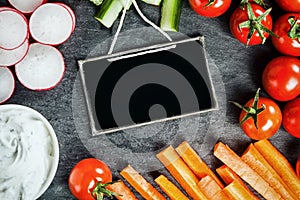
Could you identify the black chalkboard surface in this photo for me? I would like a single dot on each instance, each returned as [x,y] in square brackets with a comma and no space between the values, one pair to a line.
[147,85]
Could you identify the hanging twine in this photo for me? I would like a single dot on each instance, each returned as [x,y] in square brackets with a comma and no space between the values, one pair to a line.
[114,41]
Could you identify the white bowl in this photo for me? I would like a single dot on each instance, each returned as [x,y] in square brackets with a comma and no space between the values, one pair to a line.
[33,118]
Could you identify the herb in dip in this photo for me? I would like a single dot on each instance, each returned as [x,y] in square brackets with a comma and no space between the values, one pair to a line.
[26,154]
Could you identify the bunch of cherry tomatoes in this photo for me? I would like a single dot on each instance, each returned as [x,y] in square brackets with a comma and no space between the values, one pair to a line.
[251,24]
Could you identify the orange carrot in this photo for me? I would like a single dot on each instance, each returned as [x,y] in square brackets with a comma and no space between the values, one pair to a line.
[181,172]
[140,184]
[233,161]
[236,191]
[280,164]
[230,176]
[195,163]
[257,162]
[211,189]
[121,189]
[169,188]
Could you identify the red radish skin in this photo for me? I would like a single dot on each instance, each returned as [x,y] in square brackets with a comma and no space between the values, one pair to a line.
[70,10]
[13,29]
[51,24]
[12,57]
[26,6]
[5,8]
[7,84]
[42,68]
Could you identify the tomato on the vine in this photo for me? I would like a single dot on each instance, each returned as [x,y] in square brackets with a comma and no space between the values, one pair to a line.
[251,25]
[281,78]
[210,8]
[260,117]
[291,117]
[88,179]
[289,5]
[288,35]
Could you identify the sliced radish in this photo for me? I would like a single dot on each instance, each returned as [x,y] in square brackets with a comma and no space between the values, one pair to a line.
[51,24]
[11,57]
[5,8]
[26,6]
[42,68]
[7,84]
[13,29]
[71,12]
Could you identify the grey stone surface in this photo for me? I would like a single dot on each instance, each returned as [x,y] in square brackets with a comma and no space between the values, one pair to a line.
[240,69]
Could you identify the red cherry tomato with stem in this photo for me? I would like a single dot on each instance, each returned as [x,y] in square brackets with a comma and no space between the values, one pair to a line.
[289,5]
[88,179]
[291,117]
[260,117]
[287,28]
[210,8]
[251,25]
[281,78]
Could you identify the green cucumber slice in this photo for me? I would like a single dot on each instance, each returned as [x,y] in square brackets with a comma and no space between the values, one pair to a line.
[109,12]
[170,15]
[124,2]
[153,2]
[97,2]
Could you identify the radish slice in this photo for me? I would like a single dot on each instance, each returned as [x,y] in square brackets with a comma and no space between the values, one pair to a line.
[13,29]
[51,24]
[26,6]
[5,8]
[42,68]
[7,84]
[11,57]
[71,12]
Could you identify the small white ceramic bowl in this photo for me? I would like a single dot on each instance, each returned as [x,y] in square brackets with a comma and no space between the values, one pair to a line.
[54,143]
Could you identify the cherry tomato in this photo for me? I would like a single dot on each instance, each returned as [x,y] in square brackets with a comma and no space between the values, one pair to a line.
[287,42]
[298,167]
[249,20]
[260,117]
[281,78]
[85,175]
[210,8]
[291,117]
[289,5]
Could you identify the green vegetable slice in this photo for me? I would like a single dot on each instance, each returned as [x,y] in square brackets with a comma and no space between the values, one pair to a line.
[170,15]
[109,12]
[152,2]
[97,2]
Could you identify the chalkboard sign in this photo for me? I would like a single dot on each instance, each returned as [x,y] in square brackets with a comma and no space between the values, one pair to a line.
[146,85]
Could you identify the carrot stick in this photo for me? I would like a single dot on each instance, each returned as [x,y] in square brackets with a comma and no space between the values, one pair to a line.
[169,188]
[236,191]
[280,164]
[121,189]
[195,163]
[230,176]
[140,184]
[211,189]
[233,161]
[257,162]
[181,172]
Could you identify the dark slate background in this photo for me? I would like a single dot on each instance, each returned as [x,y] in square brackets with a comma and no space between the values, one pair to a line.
[240,67]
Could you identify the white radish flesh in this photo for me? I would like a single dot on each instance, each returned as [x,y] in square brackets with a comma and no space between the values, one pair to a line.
[71,12]
[11,57]
[26,6]
[13,29]
[7,84]
[51,24]
[42,68]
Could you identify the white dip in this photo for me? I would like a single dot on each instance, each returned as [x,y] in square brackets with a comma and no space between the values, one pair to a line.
[26,154]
